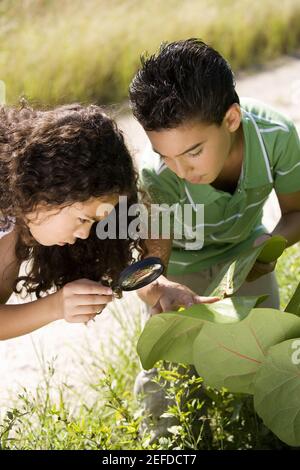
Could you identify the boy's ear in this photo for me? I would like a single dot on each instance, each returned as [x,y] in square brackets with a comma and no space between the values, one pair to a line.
[233,117]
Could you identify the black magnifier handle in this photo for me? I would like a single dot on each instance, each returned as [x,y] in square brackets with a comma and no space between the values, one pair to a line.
[117,291]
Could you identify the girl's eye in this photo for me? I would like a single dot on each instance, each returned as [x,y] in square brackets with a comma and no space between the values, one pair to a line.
[82,221]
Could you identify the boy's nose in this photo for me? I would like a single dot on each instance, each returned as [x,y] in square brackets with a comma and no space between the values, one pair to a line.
[180,170]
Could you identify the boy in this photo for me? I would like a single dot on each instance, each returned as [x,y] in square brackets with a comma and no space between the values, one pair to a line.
[212,149]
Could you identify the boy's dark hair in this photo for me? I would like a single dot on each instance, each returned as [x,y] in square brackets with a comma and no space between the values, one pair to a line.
[185,80]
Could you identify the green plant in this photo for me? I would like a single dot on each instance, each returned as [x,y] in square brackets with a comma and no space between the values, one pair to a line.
[254,351]
[99,412]
[75,412]
[234,273]
[89,51]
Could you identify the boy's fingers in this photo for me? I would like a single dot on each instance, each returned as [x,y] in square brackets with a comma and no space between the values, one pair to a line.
[156,309]
[265,267]
[258,241]
[259,269]
[166,304]
[199,299]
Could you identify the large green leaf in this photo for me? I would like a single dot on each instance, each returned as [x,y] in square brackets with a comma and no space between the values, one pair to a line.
[277,391]
[294,304]
[170,336]
[272,249]
[234,273]
[230,355]
[228,310]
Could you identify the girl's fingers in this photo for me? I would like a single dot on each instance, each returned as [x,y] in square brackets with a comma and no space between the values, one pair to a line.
[88,309]
[101,308]
[86,286]
[81,318]
[93,299]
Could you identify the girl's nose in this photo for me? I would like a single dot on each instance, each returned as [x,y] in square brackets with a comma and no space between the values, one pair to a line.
[82,233]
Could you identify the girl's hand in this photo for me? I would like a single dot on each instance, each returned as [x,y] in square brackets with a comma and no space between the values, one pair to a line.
[81,300]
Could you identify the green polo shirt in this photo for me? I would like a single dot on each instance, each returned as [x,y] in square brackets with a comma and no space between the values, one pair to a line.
[231,222]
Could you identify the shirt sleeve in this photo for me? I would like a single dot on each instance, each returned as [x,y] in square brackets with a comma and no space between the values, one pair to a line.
[162,190]
[287,165]
[6,226]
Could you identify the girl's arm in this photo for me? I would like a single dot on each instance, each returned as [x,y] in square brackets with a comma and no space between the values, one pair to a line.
[77,302]
[17,320]
[9,265]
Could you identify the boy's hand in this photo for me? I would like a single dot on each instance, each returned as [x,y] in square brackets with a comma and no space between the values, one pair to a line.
[260,269]
[164,296]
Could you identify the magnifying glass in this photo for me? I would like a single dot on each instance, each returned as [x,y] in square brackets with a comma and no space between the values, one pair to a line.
[136,276]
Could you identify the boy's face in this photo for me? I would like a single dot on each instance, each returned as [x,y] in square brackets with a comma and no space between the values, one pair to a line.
[198,152]
[61,226]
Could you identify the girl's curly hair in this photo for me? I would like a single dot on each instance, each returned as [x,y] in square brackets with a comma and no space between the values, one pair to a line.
[60,157]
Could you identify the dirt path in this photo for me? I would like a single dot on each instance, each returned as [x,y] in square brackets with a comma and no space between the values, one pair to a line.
[279,85]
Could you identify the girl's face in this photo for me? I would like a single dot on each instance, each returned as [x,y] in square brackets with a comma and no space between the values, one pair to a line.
[60,226]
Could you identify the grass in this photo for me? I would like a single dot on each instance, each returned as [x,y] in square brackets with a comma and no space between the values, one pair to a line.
[102,412]
[54,52]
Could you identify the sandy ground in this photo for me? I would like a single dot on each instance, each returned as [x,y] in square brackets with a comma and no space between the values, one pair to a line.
[277,84]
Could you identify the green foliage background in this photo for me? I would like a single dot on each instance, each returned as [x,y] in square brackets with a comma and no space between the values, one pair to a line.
[54,51]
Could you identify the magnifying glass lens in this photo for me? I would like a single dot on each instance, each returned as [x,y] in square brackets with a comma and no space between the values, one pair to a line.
[140,274]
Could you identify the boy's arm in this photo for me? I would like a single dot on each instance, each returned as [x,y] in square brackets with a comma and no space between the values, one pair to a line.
[288,226]
[161,248]
[289,223]
[285,160]
[164,295]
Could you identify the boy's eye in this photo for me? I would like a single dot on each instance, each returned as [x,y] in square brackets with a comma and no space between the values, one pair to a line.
[196,153]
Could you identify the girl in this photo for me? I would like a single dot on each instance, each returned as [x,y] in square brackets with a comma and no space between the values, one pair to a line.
[56,169]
